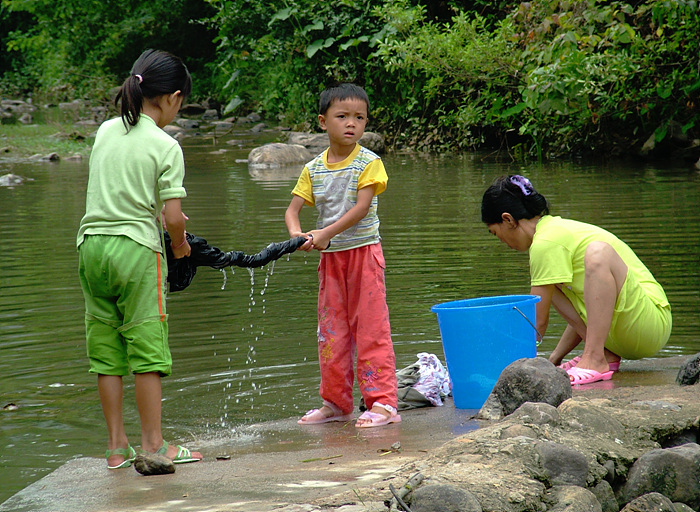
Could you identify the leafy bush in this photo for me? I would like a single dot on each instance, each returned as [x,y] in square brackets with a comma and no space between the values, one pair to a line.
[74,48]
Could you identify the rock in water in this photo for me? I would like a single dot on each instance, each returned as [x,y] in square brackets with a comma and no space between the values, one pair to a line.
[153,464]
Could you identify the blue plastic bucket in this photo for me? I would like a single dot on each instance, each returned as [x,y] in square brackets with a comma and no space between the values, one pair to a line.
[480,338]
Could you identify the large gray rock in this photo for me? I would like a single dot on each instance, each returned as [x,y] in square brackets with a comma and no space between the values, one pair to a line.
[563,465]
[444,498]
[605,496]
[537,413]
[526,380]
[652,502]
[673,472]
[373,141]
[278,154]
[571,498]
[690,371]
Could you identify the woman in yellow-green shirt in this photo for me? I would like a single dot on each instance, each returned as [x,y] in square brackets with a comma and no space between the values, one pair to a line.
[608,297]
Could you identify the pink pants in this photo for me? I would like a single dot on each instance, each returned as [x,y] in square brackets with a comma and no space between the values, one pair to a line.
[353,316]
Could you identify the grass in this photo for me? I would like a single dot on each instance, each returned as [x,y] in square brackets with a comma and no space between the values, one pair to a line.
[23,141]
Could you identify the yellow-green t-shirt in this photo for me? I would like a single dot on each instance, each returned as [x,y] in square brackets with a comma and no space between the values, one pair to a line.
[557,257]
[131,174]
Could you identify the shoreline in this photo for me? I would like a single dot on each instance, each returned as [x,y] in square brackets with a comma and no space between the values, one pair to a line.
[302,469]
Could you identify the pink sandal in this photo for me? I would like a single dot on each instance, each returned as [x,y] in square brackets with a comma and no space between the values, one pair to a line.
[586,376]
[376,419]
[570,364]
[615,366]
[316,417]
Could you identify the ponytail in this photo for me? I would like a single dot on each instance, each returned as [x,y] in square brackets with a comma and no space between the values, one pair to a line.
[513,194]
[153,74]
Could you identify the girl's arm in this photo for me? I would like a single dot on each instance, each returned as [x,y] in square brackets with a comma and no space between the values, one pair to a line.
[175,220]
[322,237]
[291,219]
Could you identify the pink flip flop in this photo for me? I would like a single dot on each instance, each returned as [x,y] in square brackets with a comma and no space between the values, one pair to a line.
[376,419]
[316,417]
[585,376]
[570,364]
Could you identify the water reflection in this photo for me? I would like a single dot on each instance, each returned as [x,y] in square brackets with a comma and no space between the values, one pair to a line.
[243,344]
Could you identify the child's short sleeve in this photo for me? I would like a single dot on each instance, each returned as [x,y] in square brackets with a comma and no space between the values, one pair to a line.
[374,174]
[304,187]
[173,175]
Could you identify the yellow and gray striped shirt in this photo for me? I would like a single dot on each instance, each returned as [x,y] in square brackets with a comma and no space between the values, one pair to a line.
[332,188]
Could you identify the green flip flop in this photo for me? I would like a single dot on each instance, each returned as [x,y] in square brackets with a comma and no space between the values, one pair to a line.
[183,454]
[129,455]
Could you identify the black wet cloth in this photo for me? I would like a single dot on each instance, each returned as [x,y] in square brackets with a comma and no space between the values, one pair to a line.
[181,271]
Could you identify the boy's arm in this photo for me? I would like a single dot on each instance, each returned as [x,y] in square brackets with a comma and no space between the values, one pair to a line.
[322,237]
[291,219]
[175,221]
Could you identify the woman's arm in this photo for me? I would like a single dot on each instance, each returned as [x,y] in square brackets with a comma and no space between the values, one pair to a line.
[543,306]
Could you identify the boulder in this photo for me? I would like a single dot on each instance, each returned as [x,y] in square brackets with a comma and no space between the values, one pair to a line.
[563,465]
[277,154]
[673,472]
[444,498]
[11,180]
[571,498]
[652,502]
[373,141]
[605,496]
[526,380]
[689,373]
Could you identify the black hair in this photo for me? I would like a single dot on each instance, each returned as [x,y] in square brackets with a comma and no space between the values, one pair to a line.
[153,74]
[340,92]
[513,194]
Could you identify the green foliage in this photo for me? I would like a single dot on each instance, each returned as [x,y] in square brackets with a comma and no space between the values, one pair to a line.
[276,58]
[598,73]
[550,76]
[569,76]
[76,48]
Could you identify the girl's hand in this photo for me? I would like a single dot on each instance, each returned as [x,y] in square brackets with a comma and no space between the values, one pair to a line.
[182,251]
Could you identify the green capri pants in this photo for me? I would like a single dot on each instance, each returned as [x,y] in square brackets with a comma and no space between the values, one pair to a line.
[125,321]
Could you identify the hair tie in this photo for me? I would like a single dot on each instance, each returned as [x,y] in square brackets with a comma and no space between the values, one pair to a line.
[139,77]
[523,184]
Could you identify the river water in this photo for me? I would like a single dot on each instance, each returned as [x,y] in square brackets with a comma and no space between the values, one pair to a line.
[243,344]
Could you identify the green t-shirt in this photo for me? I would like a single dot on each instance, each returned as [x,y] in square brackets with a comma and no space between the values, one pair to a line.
[557,253]
[131,174]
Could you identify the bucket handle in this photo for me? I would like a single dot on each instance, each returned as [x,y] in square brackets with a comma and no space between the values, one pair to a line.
[540,338]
